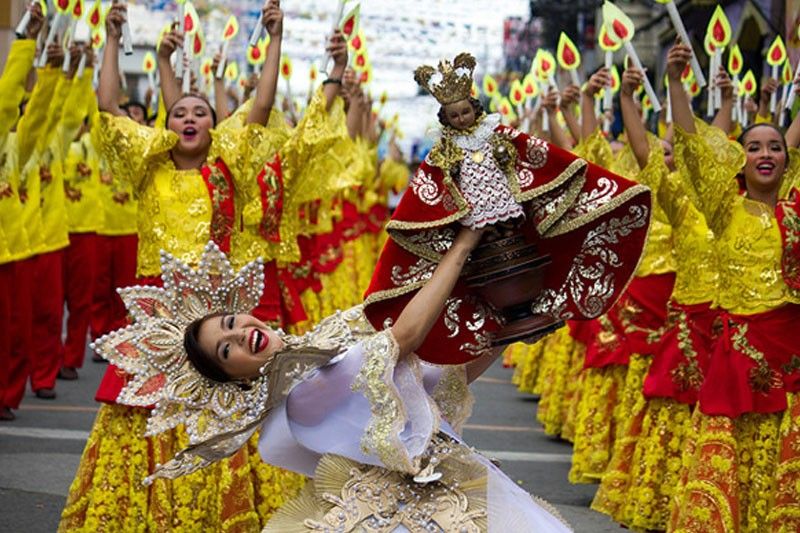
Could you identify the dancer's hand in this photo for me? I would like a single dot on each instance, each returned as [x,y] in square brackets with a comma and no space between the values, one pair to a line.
[632,78]
[272,15]
[115,18]
[36,21]
[677,59]
[598,81]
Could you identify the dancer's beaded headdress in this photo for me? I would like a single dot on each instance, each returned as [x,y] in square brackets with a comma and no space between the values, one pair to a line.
[450,81]
[219,417]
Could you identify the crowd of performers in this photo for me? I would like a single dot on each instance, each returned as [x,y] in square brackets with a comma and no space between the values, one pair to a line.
[680,400]
[93,188]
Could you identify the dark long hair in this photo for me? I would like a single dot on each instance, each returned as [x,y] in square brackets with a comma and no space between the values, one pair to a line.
[203,362]
[476,106]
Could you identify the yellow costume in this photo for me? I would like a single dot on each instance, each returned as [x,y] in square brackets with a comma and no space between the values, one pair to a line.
[178,211]
[739,463]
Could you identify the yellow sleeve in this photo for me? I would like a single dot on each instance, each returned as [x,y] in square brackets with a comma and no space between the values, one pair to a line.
[55,111]
[791,176]
[308,156]
[595,149]
[75,108]
[394,174]
[12,83]
[33,123]
[709,162]
[127,146]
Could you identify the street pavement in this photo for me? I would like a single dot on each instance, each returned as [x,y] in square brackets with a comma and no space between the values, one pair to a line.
[40,451]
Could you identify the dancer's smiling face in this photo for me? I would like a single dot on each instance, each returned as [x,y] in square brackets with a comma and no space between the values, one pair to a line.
[191,118]
[766,153]
[232,346]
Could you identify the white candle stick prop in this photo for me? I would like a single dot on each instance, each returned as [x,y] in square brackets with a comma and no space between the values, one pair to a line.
[648,89]
[222,61]
[597,107]
[668,118]
[179,54]
[186,85]
[790,100]
[336,22]
[738,97]
[51,35]
[680,29]
[608,95]
[776,55]
[82,65]
[712,66]
[773,99]
[256,35]
[230,31]
[717,90]
[127,39]
[22,27]
[68,45]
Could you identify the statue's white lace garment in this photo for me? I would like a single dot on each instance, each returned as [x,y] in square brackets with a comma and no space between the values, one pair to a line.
[483,184]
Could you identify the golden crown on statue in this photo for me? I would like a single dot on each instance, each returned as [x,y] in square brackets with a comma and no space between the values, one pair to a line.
[451,81]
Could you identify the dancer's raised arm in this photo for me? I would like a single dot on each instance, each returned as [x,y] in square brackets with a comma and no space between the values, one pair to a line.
[419,314]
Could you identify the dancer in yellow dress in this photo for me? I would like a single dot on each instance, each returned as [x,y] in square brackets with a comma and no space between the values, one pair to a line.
[185,178]
[739,463]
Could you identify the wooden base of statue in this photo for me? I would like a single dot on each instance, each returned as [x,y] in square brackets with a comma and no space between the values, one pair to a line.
[509,273]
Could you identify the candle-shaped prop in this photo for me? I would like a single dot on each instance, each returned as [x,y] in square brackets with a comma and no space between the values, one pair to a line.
[286,73]
[190,26]
[127,39]
[711,50]
[569,58]
[680,29]
[735,63]
[258,29]
[621,27]
[313,73]
[598,101]
[609,45]
[256,55]
[790,99]
[62,13]
[149,68]
[365,78]
[232,72]
[719,34]
[98,40]
[647,106]
[490,86]
[531,90]
[748,88]
[231,30]
[179,54]
[516,95]
[360,61]
[22,27]
[613,89]
[198,47]
[506,110]
[349,26]
[207,71]
[668,113]
[786,78]
[776,55]
[474,92]
[75,13]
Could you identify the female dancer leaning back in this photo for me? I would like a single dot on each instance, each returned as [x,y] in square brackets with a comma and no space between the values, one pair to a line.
[184,177]
[353,407]
[739,464]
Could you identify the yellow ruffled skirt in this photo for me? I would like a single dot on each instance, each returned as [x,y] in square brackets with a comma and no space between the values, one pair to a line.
[740,475]
[572,391]
[553,381]
[238,494]
[597,420]
[526,360]
[645,469]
